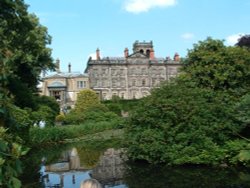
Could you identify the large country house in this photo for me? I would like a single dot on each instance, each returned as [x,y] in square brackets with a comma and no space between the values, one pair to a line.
[64,86]
[129,77]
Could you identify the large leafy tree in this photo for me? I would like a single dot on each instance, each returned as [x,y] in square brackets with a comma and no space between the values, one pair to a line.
[211,64]
[23,50]
[23,55]
[86,98]
[244,41]
[179,124]
[199,117]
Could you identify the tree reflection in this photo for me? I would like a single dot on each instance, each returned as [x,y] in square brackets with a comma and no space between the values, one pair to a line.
[142,175]
[89,157]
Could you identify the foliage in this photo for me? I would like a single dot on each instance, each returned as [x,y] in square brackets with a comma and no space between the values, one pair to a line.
[85,99]
[52,135]
[198,117]
[10,166]
[99,113]
[121,105]
[140,175]
[44,113]
[244,41]
[237,152]
[179,125]
[22,120]
[92,112]
[60,118]
[242,109]
[74,118]
[48,101]
[211,64]
[23,48]
[23,56]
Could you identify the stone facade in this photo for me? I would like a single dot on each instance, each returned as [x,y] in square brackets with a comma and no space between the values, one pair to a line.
[131,76]
[64,86]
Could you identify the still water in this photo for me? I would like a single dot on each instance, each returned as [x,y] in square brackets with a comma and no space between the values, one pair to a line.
[67,166]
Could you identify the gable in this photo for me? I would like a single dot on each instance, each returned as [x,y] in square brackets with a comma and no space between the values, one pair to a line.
[137,55]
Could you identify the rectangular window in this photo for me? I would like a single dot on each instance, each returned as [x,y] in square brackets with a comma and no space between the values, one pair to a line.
[143,82]
[122,95]
[80,84]
[133,82]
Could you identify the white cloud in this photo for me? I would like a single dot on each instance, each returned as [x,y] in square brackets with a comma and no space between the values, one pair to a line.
[138,6]
[233,39]
[92,55]
[187,36]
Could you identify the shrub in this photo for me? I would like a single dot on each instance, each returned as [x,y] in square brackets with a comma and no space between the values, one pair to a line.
[179,124]
[60,118]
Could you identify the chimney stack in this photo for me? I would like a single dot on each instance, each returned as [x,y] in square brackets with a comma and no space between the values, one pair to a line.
[152,54]
[126,53]
[176,57]
[98,54]
[58,65]
[69,68]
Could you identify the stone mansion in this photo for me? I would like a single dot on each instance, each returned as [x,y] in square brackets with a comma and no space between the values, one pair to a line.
[129,77]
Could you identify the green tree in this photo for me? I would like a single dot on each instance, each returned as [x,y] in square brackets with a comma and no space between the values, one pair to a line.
[44,113]
[179,124]
[85,99]
[23,56]
[195,119]
[244,41]
[211,64]
[23,50]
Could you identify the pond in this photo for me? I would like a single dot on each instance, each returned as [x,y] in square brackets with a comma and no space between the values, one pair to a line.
[66,166]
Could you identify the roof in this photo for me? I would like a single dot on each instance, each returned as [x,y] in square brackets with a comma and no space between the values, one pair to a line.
[65,75]
[56,84]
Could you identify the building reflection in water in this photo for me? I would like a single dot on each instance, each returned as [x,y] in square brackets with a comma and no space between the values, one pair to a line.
[68,171]
[109,171]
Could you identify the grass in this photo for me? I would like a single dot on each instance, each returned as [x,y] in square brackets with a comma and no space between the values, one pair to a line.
[51,135]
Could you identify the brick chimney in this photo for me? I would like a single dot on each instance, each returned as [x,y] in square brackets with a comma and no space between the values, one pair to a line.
[176,57]
[126,53]
[152,54]
[69,68]
[98,54]
[58,65]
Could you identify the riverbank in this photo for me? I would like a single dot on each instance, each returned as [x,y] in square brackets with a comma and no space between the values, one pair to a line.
[104,135]
[73,133]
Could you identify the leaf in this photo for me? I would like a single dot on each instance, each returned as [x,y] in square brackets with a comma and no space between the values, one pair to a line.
[16,182]
[244,155]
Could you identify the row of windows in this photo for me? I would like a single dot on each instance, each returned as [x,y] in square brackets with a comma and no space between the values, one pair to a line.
[122,95]
[81,84]
[122,83]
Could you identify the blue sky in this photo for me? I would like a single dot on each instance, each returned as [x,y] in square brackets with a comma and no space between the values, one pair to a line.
[78,27]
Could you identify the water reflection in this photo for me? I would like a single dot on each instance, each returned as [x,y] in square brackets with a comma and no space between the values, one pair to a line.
[109,171]
[70,170]
[143,175]
[67,167]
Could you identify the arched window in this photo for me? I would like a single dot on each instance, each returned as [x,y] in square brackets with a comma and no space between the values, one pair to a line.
[141,51]
[148,53]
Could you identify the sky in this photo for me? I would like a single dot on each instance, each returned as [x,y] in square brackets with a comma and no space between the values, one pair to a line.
[79,27]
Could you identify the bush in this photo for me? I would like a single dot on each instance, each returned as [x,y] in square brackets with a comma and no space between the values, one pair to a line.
[179,124]
[52,135]
[74,118]
[60,118]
